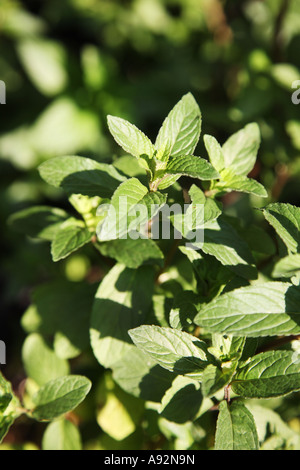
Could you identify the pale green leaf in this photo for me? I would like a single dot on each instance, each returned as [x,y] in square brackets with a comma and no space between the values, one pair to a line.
[61,435]
[129,137]
[44,62]
[240,150]
[266,309]
[215,152]
[287,266]
[182,127]
[120,413]
[40,361]
[236,429]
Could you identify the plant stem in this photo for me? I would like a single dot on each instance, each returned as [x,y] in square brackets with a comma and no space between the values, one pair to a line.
[277,343]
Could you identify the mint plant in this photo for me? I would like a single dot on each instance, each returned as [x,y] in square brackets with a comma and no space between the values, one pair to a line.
[186,330]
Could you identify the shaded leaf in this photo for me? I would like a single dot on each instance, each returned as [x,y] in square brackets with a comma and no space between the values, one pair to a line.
[182,401]
[132,253]
[285,218]
[38,221]
[79,175]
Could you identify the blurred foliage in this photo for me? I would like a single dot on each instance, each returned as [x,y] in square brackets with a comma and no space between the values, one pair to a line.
[66,65]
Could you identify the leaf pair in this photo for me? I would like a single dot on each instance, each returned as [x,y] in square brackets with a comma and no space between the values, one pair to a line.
[235,159]
[172,153]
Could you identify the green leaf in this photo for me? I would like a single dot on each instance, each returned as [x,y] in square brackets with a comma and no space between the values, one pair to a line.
[256,237]
[120,413]
[268,374]
[287,266]
[240,150]
[182,401]
[185,306]
[121,303]
[5,393]
[285,219]
[131,207]
[223,242]
[132,253]
[190,165]
[227,347]
[211,276]
[214,378]
[69,238]
[129,137]
[181,128]
[266,309]
[127,195]
[233,182]
[39,221]
[141,376]
[236,429]
[40,361]
[44,62]
[220,240]
[79,175]
[9,407]
[5,424]
[167,180]
[211,209]
[60,396]
[175,350]
[215,152]
[61,435]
